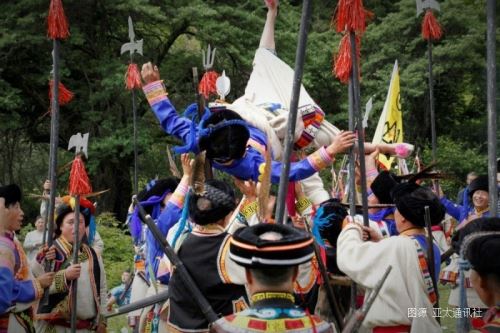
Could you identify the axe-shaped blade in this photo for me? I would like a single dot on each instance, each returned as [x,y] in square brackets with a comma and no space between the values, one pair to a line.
[133,46]
[368,109]
[79,142]
[424,4]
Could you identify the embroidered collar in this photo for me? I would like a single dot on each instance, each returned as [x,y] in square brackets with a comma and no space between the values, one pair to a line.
[266,297]
[66,246]
[208,229]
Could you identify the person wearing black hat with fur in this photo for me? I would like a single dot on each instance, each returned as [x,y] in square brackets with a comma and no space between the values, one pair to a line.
[271,255]
[18,288]
[409,285]
[475,205]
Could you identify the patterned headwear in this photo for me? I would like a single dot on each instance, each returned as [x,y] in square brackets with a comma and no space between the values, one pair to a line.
[216,202]
[268,245]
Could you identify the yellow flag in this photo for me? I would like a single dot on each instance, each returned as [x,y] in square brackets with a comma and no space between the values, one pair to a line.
[390,124]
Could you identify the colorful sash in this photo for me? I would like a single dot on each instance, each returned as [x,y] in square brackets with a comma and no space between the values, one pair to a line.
[424,269]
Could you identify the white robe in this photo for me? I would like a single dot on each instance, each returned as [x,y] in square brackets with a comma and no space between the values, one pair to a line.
[404,289]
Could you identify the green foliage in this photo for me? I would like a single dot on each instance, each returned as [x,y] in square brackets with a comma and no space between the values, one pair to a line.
[456,160]
[118,248]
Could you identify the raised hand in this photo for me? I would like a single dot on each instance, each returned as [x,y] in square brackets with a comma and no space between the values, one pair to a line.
[150,73]
[341,143]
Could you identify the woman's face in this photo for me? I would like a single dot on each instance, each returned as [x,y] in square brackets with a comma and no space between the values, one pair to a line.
[68,227]
[480,199]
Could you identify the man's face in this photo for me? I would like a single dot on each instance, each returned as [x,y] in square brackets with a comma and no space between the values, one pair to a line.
[15,217]
[125,277]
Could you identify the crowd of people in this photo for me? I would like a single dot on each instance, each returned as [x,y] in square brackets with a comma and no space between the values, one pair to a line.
[255,273]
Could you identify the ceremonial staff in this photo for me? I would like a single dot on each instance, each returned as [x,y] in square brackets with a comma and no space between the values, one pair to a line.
[57,29]
[292,118]
[180,269]
[492,106]
[350,20]
[430,31]
[78,185]
[431,255]
[132,82]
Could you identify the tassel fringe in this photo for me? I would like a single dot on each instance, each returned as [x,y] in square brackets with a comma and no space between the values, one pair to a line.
[65,95]
[207,84]
[57,24]
[351,16]
[133,77]
[342,66]
[79,182]
[431,29]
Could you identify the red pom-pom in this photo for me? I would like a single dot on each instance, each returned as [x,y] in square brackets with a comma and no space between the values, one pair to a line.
[78,179]
[56,21]
[342,61]
[207,84]
[351,16]
[133,77]
[65,95]
[431,29]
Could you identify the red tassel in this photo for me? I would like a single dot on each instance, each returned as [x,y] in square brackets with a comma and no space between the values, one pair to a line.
[351,16]
[56,21]
[133,77]
[431,29]
[65,95]
[78,179]
[207,84]
[342,62]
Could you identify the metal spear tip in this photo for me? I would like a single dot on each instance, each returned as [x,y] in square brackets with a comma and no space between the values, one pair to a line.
[426,4]
[80,143]
[208,58]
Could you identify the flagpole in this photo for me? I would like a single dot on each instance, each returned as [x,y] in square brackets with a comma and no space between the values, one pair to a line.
[292,119]
[492,107]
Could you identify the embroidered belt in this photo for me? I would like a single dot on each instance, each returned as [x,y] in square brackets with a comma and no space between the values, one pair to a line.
[392,329]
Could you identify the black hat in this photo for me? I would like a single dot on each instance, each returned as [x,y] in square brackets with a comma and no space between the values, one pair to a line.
[267,245]
[480,183]
[411,199]
[214,204]
[11,193]
[382,186]
[224,136]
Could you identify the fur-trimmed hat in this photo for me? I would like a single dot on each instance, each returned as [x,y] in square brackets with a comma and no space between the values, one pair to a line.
[11,193]
[480,183]
[268,245]
[216,202]
[382,186]
[411,199]
[224,136]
